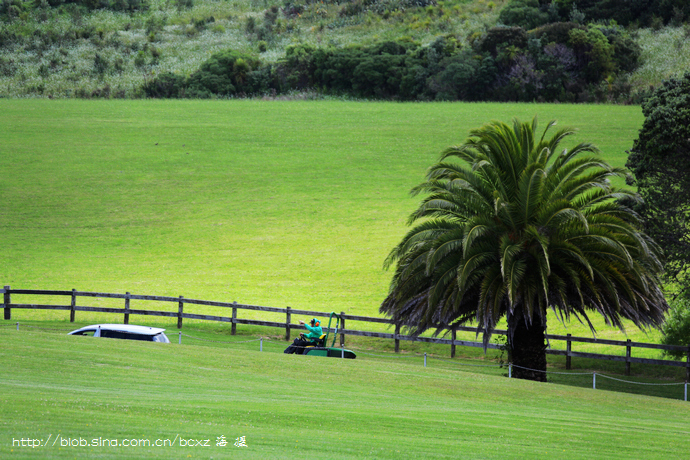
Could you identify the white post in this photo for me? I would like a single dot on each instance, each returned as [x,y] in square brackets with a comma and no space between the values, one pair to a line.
[17,325]
[424,359]
[261,344]
[510,370]
[594,381]
[179,341]
[686,391]
[342,351]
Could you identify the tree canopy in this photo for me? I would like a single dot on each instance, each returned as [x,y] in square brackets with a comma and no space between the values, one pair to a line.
[511,227]
[660,161]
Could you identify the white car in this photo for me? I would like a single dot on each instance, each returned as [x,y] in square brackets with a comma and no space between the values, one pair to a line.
[124,331]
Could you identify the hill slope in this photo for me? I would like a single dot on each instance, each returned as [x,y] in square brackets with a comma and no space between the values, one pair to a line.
[70,51]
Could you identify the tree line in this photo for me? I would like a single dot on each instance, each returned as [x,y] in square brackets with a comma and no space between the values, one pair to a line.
[563,61]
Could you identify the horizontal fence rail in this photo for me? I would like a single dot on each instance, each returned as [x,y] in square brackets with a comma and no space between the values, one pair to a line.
[126,311]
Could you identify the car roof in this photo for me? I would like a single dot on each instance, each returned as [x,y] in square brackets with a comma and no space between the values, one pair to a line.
[131,328]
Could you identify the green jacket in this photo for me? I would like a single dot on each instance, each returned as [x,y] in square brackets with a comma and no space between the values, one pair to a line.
[314,331]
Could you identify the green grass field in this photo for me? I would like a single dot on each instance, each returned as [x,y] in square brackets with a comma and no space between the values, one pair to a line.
[261,202]
[299,407]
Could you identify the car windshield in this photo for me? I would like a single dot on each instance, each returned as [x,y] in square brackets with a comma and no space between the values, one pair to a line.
[161,338]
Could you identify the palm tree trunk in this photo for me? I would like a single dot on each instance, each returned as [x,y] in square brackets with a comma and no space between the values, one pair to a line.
[527,348]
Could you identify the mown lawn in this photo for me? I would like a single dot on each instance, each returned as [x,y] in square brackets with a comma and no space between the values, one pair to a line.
[298,407]
[277,203]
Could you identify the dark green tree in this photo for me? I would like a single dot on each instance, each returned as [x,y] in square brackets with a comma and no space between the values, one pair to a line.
[660,161]
[676,328]
[511,227]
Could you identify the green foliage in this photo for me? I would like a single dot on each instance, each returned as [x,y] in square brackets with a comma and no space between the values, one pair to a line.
[100,64]
[224,74]
[166,85]
[464,76]
[556,32]
[116,5]
[676,328]
[626,12]
[660,161]
[511,227]
[594,51]
[506,36]
[381,7]
[523,13]
[506,63]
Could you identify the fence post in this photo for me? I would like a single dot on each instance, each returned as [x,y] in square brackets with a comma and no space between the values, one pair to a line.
[8,311]
[452,345]
[687,365]
[397,340]
[425,359]
[261,344]
[627,357]
[180,309]
[287,323]
[594,381]
[510,370]
[72,305]
[342,326]
[126,307]
[568,349]
[233,328]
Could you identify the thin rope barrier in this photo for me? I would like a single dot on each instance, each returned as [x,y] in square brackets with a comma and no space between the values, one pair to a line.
[43,328]
[599,375]
[639,383]
[358,350]
[553,372]
[219,341]
[470,365]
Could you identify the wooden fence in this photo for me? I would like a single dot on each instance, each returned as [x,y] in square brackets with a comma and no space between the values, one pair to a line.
[126,311]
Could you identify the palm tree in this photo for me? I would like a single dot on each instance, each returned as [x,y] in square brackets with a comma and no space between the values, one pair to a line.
[509,227]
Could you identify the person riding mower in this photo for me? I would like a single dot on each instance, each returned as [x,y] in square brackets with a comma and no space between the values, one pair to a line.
[300,344]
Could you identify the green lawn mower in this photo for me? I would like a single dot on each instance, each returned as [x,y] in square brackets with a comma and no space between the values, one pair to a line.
[322,349]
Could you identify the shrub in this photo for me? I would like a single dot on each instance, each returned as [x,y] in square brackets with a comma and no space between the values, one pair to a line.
[557,32]
[523,13]
[676,329]
[465,76]
[166,85]
[100,64]
[140,59]
[7,67]
[224,74]
[509,36]
[594,53]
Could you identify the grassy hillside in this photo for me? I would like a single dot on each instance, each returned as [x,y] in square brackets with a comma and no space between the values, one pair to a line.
[269,203]
[59,59]
[68,51]
[297,407]
[664,53]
